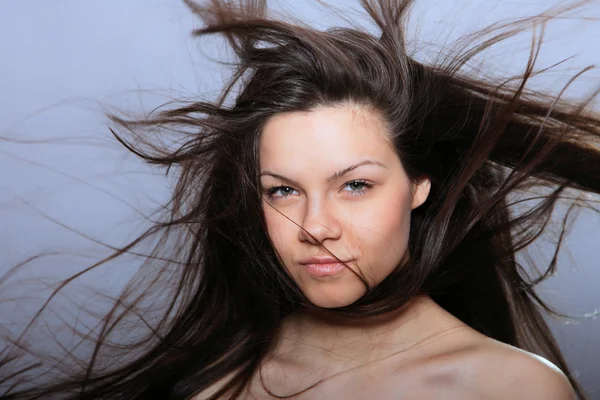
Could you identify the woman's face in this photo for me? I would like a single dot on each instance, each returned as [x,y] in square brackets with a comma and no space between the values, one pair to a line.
[333,185]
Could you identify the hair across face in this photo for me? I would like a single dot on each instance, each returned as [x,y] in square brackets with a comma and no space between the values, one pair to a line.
[334,188]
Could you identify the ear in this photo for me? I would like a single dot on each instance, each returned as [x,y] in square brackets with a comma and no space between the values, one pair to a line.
[420,189]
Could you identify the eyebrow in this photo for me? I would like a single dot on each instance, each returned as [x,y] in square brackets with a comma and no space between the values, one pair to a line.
[333,177]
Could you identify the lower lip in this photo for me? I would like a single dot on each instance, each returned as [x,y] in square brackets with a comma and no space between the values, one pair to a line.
[324,269]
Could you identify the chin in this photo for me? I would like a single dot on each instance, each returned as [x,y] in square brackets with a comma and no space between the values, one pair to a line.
[334,297]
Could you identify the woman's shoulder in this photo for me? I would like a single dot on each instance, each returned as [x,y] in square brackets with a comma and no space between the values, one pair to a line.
[524,374]
[495,370]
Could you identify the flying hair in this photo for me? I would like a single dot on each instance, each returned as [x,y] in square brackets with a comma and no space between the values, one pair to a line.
[488,146]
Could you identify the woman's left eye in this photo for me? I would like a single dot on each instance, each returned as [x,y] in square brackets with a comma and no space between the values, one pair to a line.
[357,187]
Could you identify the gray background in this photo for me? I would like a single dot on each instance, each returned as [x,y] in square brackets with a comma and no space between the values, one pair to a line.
[60,60]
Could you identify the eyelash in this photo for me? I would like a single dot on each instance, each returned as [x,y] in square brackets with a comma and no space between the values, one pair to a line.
[367,186]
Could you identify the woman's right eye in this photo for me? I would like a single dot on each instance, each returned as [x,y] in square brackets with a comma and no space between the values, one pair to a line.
[280,191]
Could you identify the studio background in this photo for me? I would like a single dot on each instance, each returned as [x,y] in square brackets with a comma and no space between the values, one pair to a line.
[65,181]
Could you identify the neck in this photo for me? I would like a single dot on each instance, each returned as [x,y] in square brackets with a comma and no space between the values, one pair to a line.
[322,334]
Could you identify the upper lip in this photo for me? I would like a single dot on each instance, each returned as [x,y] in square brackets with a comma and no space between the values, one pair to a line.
[322,260]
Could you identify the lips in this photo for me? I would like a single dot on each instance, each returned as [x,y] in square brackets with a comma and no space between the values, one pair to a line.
[323,266]
[322,260]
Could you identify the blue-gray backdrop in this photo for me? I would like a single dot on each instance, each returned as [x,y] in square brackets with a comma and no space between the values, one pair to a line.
[61,61]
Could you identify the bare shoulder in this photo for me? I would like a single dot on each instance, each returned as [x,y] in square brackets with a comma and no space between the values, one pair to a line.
[500,371]
[465,364]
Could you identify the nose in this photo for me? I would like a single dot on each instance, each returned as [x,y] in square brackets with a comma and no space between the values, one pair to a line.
[319,224]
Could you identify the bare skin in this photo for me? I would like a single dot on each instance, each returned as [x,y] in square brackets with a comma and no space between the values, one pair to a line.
[422,352]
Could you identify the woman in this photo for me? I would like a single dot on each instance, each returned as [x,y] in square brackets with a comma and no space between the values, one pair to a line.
[344,227]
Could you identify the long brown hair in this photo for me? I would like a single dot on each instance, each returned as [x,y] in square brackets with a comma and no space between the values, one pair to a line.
[486,145]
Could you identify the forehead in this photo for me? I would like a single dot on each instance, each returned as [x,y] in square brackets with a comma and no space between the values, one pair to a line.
[328,136]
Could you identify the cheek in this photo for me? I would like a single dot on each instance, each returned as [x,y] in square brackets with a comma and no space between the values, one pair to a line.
[382,232]
[280,230]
